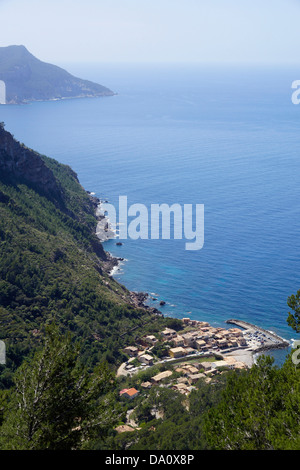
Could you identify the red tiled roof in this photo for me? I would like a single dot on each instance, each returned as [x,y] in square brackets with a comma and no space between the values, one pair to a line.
[131,391]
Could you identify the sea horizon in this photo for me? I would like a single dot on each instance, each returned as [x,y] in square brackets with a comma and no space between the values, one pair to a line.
[219,136]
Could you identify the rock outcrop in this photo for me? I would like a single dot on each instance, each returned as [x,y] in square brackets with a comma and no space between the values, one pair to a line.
[21,164]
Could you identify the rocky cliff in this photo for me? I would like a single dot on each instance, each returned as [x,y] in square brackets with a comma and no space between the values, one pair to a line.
[20,164]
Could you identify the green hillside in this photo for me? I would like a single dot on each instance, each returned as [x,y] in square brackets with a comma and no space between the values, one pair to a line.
[64,321]
[52,266]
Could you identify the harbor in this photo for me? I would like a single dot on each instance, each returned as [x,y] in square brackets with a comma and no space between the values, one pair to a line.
[259,339]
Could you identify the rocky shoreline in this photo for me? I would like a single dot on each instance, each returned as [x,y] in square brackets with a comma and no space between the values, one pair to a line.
[105,232]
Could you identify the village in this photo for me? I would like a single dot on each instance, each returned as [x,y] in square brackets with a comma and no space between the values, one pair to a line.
[198,351]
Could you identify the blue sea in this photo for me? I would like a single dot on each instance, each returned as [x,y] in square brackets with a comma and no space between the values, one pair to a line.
[226,137]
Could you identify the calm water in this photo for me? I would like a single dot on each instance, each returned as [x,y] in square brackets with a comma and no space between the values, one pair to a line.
[225,138]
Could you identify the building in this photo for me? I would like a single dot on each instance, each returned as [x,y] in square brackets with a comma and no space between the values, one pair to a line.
[161,376]
[191,370]
[205,328]
[177,352]
[129,393]
[168,334]
[182,380]
[145,359]
[205,365]
[189,339]
[150,339]
[193,378]
[221,364]
[146,385]
[131,351]
[182,388]
[178,341]
[222,343]
[189,350]
[235,332]
[200,344]
[230,360]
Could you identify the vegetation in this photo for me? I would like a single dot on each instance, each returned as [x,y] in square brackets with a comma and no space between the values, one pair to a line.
[294,318]
[65,321]
[55,403]
[53,268]
[29,79]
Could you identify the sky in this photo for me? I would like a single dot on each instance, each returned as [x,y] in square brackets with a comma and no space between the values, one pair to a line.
[139,31]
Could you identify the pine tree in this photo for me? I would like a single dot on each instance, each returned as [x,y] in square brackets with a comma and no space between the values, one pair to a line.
[57,404]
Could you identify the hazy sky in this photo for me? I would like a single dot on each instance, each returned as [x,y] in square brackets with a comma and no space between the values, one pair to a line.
[154,30]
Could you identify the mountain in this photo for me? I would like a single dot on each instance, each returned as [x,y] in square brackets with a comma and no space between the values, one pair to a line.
[29,79]
[53,268]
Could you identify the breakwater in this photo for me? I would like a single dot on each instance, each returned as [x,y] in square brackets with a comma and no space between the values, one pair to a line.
[258,338]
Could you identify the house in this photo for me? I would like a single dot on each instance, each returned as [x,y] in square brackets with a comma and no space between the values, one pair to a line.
[190,350]
[236,332]
[200,344]
[222,343]
[161,376]
[189,339]
[131,351]
[205,365]
[146,385]
[218,336]
[179,370]
[129,393]
[182,380]
[150,339]
[191,369]
[220,364]
[178,341]
[177,352]
[241,341]
[182,388]
[168,333]
[226,334]
[145,359]
[230,360]
[193,378]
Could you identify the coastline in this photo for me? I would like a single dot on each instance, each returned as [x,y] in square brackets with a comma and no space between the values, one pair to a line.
[105,232]
[62,98]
